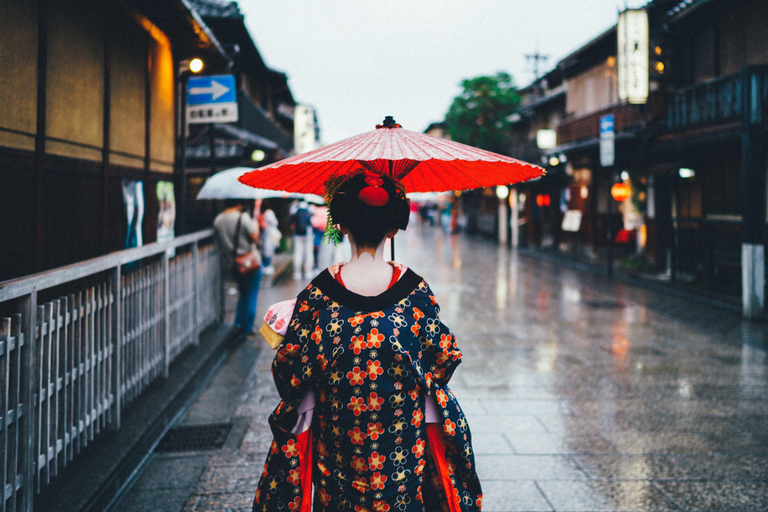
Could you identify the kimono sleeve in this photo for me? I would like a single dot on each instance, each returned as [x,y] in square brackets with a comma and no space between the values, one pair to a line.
[300,357]
[440,353]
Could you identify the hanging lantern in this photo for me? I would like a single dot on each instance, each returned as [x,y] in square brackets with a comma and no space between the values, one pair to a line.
[620,192]
[542,200]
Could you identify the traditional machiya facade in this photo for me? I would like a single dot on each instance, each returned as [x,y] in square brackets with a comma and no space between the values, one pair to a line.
[89,100]
[90,123]
[692,153]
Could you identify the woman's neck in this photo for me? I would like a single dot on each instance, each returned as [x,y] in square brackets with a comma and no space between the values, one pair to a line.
[367,272]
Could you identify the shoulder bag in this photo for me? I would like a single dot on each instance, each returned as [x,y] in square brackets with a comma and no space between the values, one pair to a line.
[247,263]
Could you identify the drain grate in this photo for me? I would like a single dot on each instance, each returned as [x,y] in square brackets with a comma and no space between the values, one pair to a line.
[195,437]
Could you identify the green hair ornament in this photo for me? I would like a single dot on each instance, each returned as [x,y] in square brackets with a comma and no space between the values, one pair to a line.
[332,235]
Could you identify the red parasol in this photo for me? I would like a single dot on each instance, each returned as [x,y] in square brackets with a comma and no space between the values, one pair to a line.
[423,163]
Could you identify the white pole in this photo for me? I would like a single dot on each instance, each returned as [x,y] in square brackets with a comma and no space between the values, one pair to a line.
[503,222]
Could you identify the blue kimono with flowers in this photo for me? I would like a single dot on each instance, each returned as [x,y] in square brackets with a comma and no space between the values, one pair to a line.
[371,362]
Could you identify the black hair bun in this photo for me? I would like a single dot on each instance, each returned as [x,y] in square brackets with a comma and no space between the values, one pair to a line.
[369,205]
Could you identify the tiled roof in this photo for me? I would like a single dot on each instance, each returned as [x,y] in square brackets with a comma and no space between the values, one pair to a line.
[684,7]
[216,8]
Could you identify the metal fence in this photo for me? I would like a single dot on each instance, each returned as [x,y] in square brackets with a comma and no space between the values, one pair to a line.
[78,344]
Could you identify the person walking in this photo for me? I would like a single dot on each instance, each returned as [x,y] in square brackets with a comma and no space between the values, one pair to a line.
[238,235]
[366,417]
[270,237]
[303,241]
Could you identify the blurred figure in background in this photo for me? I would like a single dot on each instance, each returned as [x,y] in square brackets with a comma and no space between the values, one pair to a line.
[322,251]
[237,235]
[303,241]
[270,236]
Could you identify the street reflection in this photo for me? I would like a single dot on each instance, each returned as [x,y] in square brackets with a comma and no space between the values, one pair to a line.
[502,285]
[620,345]
[599,389]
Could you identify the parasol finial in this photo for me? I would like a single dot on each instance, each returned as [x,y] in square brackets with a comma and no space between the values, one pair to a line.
[389,122]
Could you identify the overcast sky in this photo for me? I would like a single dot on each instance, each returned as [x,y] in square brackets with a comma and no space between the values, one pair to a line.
[357,61]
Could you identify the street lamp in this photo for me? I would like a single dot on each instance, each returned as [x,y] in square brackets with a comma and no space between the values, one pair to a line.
[196,65]
[185,68]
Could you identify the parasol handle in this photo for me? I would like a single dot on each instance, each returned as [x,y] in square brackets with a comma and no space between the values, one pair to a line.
[392,247]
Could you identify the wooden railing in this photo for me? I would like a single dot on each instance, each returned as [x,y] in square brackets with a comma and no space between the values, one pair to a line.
[79,343]
[625,116]
[715,101]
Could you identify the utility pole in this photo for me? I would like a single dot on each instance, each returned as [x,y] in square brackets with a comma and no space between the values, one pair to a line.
[536,58]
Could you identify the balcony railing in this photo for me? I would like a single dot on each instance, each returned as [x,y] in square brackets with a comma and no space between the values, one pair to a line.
[714,101]
[625,117]
[718,101]
[80,343]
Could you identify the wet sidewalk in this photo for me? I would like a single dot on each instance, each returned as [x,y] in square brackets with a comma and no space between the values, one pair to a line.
[583,394]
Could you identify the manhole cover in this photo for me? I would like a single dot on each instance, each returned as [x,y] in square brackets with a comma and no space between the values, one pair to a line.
[195,437]
[603,304]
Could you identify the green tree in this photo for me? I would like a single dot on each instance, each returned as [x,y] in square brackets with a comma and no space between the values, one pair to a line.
[478,116]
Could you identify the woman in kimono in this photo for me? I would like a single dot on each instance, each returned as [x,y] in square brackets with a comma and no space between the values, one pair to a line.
[367,422]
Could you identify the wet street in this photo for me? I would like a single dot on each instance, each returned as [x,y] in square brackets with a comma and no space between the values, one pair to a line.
[582,393]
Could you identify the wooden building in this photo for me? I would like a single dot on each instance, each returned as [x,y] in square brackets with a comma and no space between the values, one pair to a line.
[90,98]
[693,151]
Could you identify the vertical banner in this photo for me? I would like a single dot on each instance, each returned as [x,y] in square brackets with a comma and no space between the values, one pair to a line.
[303,129]
[166,211]
[633,55]
[166,214]
[133,196]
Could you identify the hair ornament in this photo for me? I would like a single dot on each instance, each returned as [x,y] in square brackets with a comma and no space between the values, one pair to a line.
[373,194]
[332,234]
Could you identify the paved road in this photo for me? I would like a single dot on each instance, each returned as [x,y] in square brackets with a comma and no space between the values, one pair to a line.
[583,394]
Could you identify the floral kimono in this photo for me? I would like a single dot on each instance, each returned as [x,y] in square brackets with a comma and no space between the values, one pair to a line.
[371,365]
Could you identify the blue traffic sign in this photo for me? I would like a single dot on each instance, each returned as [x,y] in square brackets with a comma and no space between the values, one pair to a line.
[606,124]
[607,144]
[206,90]
[212,99]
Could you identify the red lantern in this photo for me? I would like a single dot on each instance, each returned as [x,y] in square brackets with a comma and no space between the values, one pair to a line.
[620,192]
[542,200]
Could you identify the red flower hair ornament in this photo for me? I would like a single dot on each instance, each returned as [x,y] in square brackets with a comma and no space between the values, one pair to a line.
[373,194]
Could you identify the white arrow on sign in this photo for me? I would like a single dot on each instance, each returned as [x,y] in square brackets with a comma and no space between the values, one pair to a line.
[216,90]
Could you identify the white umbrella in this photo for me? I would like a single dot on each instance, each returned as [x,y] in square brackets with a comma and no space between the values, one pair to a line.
[314,199]
[224,185]
[426,196]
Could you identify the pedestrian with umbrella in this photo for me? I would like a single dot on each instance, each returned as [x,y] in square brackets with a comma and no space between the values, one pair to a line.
[363,360]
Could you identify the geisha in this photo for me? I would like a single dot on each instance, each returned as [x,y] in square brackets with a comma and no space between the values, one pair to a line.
[366,420]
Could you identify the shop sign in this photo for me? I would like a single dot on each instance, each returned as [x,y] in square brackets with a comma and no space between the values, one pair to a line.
[303,129]
[633,55]
[571,221]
